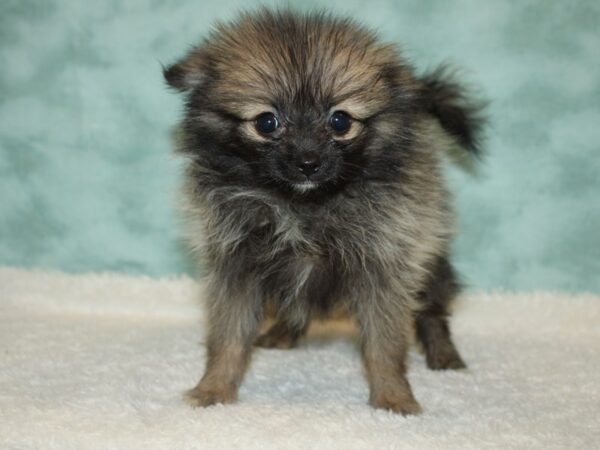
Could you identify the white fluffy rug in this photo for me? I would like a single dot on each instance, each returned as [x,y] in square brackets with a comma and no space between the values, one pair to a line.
[101,361]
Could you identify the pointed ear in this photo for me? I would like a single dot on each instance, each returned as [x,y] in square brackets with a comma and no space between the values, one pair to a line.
[188,72]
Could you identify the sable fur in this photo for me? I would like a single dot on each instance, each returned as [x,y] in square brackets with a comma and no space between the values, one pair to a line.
[368,233]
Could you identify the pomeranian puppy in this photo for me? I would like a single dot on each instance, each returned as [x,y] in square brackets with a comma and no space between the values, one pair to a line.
[313,181]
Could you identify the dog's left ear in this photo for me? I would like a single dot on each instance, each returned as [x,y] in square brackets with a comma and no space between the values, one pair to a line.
[189,72]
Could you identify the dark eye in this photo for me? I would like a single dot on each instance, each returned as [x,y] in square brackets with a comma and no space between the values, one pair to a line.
[340,122]
[267,123]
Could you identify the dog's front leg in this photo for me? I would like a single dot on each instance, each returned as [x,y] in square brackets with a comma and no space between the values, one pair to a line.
[384,320]
[233,317]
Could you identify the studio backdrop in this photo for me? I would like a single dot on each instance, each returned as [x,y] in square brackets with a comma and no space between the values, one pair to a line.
[88,181]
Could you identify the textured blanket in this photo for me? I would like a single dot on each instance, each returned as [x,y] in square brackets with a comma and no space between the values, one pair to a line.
[101,361]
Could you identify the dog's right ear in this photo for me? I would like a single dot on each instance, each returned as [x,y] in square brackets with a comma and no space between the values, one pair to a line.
[188,72]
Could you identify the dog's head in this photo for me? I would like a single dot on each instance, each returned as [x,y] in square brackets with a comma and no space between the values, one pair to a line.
[299,103]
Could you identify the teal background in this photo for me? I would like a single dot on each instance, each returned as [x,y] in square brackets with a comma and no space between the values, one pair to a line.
[87,180]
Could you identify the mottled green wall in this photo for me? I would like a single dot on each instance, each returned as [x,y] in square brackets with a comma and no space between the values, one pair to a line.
[87,181]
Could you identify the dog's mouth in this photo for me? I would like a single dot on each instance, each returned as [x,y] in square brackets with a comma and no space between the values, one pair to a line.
[305,186]
[292,180]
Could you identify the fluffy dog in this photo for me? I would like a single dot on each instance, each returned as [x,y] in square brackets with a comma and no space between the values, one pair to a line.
[313,181]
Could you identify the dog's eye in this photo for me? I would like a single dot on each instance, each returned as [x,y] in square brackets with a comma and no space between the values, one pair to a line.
[340,121]
[266,123]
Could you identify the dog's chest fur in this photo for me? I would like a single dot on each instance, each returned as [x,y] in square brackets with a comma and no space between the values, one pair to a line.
[321,251]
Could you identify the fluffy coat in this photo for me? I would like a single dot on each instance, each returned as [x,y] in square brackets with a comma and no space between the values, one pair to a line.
[367,232]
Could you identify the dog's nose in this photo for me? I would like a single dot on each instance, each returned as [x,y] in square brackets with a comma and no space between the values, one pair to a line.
[309,163]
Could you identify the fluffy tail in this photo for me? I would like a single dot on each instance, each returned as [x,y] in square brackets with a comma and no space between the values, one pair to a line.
[451,103]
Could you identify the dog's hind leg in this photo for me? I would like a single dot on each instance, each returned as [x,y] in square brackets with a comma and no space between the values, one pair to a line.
[431,322]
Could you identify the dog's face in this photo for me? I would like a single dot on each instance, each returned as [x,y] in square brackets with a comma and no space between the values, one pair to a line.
[302,105]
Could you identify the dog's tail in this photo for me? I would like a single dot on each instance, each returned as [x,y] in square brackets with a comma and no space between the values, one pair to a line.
[459,114]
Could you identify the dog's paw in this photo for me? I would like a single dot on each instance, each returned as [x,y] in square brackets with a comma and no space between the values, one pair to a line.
[449,359]
[202,396]
[277,336]
[403,405]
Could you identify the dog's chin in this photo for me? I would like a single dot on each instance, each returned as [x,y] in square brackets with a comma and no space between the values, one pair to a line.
[309,187]
[318,187]
[304,187]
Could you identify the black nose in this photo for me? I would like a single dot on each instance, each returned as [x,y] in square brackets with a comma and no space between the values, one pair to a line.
[309,163]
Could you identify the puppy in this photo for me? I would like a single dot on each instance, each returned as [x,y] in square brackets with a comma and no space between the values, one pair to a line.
[313,181]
